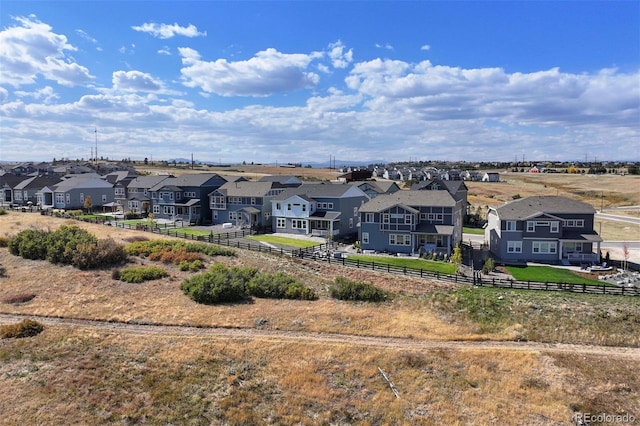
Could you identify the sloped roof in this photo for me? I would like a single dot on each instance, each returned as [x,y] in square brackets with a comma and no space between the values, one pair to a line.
[79,182]
[37,182]
[410,199]
[550,204]
[246,189]
[319,190]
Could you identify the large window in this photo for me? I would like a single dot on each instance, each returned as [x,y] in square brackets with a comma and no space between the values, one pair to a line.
[511,225]
[545,247]
[234,216]
[514,246]
[574,223]
[399,239]
[281,222]
[298,224]
[365,238]
[368,217]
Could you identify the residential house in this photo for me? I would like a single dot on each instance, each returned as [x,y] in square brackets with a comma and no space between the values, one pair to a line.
[284,180]
[355,175]
[8,181]
[120,181]
[244,203]
[320,209]
[137,193]
[374,188]
[456,188]
[491,177]
[185,197]
[23,169]
[26,192]
[412,222]
[73,193]
[549,229]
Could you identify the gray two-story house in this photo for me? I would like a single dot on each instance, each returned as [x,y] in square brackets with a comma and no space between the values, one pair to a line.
[244,203]
[547,229]
[77,192]
[185,197]
[26,192]
[325,209]
[412,222]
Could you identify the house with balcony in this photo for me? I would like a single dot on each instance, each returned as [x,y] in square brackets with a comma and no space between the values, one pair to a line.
[546,229]
[456,188]
[374,188]
[244,203]
[185,197]
[324,209]
[412,222]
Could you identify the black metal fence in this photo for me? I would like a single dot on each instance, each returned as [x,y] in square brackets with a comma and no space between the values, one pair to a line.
[326,253]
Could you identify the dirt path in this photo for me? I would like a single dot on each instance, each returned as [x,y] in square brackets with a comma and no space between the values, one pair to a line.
[329,338]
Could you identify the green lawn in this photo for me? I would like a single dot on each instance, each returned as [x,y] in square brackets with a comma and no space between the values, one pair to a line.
[401,262]
[283,241]
[548,274]
[476,231]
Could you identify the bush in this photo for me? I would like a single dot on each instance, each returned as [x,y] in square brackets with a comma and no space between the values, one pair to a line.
[156,247]
[25,328]
[141,274]
[219,285]
[96,255]
[279,286]
[62,243]
[3,212]
[29,244]
[194,266]
[4,241]
[345,289]
[488,266]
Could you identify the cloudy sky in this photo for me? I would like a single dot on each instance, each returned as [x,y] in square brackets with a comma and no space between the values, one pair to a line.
[306,81]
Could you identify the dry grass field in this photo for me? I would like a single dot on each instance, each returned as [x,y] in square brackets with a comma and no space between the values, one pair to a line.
[99,375]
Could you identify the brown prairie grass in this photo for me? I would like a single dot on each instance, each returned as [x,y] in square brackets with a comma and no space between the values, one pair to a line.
[104,377]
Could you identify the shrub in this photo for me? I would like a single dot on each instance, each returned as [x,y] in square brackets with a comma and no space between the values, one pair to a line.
[155,247]
[4,241]
[62,243]
[99,254]
[175,255]
[218,285]
[29,244]
[194,266]
[279,286]
[3,212]
[210,249]
[488,266]
[142,274]
[25,328]
[345,289]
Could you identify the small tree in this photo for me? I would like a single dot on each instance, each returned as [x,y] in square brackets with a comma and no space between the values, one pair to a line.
[88,203]
[488,266]
[456,257]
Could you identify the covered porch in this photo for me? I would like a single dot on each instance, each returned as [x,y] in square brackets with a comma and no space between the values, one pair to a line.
[579,248]
[324,224]
[432,238]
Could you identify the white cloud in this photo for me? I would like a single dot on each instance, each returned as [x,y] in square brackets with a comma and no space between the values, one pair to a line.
[135,81]
[165,31]
[386,46]
[165,51]
[46,94]
[425,47]
[4,94]
[266,73]
[32,49]
[340,58]
[86,36]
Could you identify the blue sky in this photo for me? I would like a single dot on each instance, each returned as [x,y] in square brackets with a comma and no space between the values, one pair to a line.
[305,81]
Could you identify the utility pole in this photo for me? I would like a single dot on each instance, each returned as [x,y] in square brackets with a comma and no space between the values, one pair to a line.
[96,132]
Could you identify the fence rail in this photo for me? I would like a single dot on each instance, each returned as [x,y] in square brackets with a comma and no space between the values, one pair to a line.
[322,252]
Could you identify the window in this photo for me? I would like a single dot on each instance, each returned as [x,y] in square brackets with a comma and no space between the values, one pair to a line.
[330,206]
[304,207]
[368,217]
[178,195]
[544,247]
[156,209]
[399,239]
[68,198]
[355,211]
[288,206]
[82,197]
[278,206]
[281,222]
[267,216]
[574,223]
[423,216]
[514,246]
[350,222]
[298,224]
[104,198]
[531,226]
[233,216]
[365,238]
[435,217]
[253,201]
[555,226]
[511,225]
[408,219]
[385,218]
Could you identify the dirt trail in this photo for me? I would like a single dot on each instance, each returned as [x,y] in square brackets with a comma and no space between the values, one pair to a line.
[329,338]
